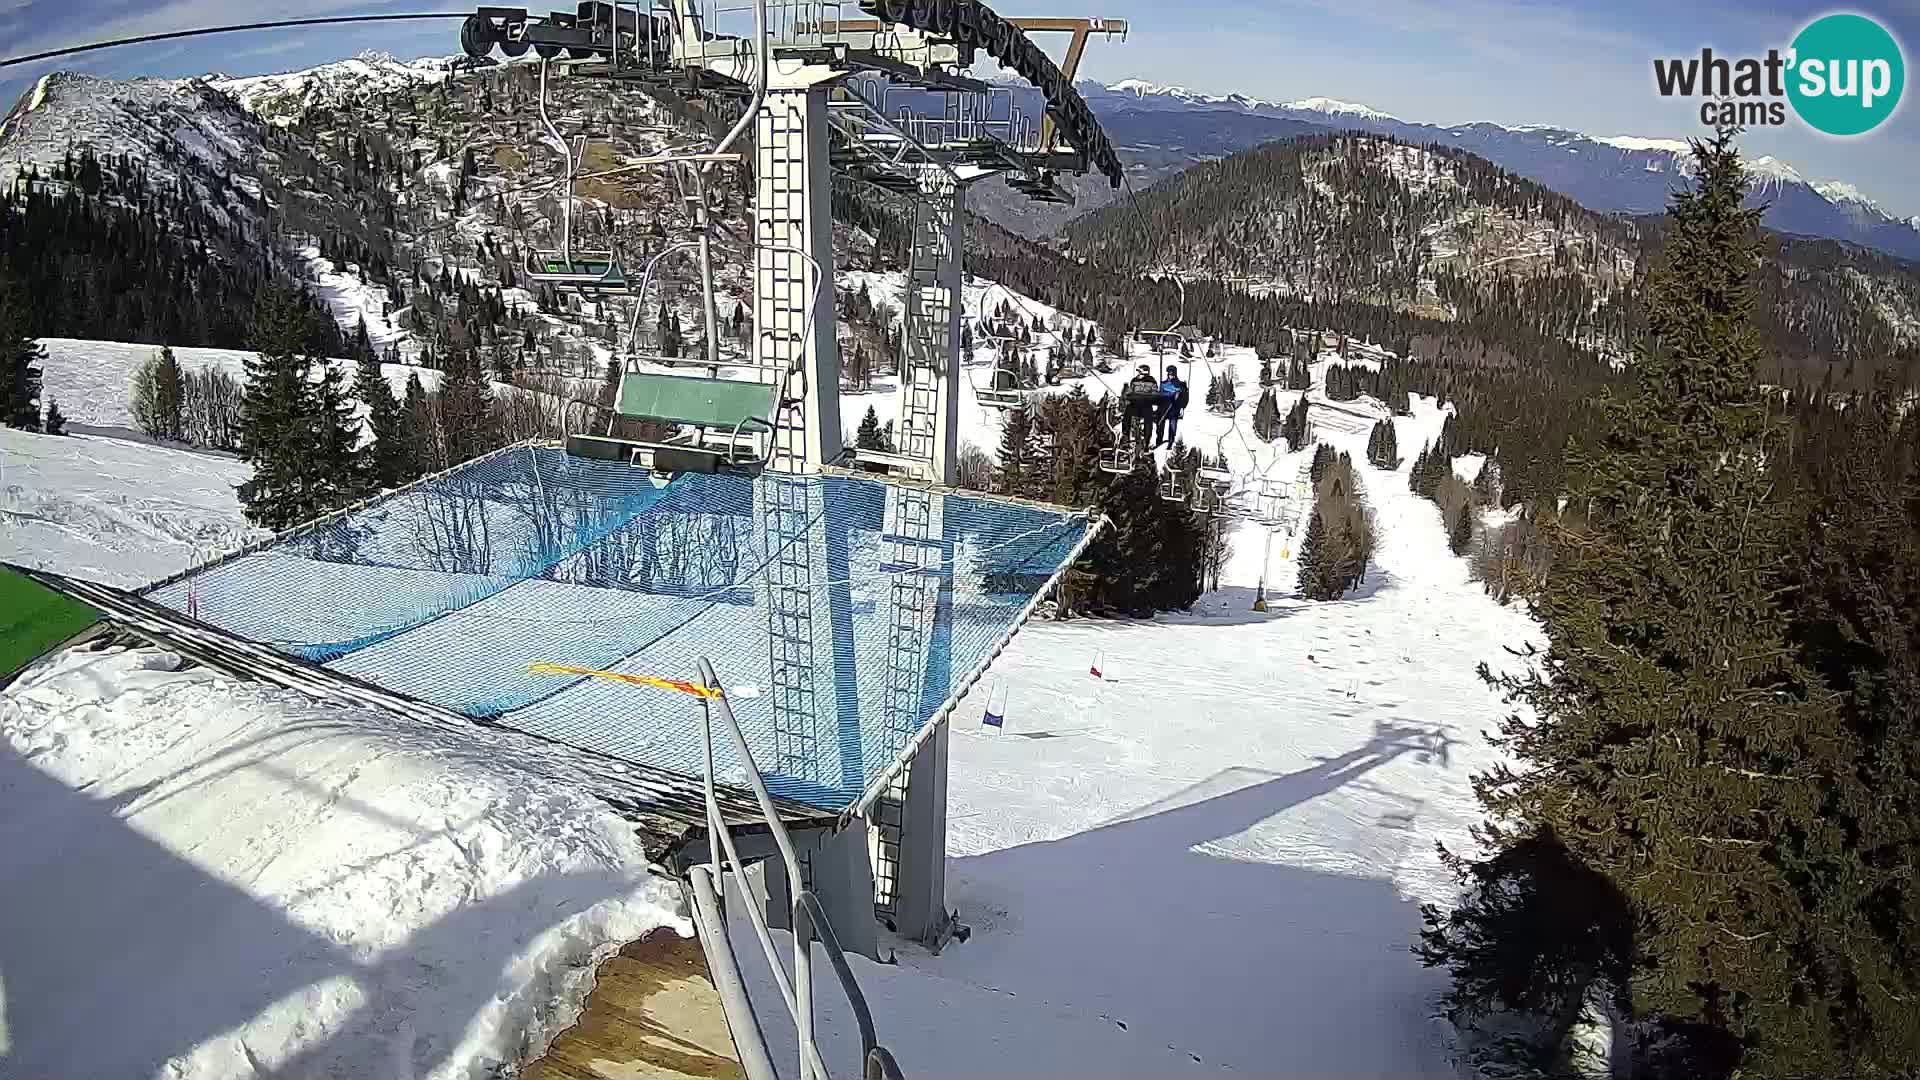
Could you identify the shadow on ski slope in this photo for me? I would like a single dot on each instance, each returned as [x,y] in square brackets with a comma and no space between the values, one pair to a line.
[1152,924]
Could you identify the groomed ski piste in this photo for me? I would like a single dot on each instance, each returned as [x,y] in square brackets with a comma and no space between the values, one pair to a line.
[1209,858]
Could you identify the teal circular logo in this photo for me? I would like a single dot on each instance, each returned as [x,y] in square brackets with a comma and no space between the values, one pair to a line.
[1847,74]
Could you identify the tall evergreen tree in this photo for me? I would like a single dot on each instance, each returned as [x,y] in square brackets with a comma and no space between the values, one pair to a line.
[1322,458]
[1674,742]
[1266,416]
[1857,624]
[1460,529]
[340,469]
[418,433]
[386,455]
[1313,561]
[276,409]
[1295,427]
[159,396]
[1020,457]
[469,422]
[20,360]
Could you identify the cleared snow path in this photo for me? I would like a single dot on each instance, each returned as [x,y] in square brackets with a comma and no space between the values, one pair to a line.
[220,881]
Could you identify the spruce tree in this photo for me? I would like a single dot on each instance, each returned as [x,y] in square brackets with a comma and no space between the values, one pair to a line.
[1322,457]
[275,410]
[169,395]
[385,457]
[361,348]
[418,432]
[1266,417]
[1313,560]
[20,360]
[869,436]
[469,422]
[1672,740]
[55,423]
[341,471]
[1460,529]
[1018,472]
[1295,428]
[1857,625]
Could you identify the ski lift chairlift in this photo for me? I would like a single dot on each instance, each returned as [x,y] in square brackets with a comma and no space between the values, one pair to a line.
[1214,476]
[1119,458]
[999,397]
[730,411]
[1172,490]
[593,272]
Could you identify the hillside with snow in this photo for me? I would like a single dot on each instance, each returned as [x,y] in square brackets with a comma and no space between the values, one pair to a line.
[281,98]
[1161,130]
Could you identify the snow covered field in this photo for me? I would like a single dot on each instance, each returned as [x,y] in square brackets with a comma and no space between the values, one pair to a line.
[93,380]
[112,510]
[219,881]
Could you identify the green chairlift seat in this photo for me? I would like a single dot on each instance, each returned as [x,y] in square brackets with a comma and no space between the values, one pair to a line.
[727,408]
[586,271]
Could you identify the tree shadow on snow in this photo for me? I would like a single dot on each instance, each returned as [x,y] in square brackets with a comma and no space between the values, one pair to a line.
[1253,966]
[116,954]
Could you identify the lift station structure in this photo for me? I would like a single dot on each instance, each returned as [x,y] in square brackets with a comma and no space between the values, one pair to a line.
[802,95]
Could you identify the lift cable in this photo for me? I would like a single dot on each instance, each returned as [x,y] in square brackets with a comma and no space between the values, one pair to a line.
[277,24]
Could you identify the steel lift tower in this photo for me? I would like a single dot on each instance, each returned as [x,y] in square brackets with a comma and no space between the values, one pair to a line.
[884,100]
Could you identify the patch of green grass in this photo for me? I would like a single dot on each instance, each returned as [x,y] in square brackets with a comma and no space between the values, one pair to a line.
[33,619]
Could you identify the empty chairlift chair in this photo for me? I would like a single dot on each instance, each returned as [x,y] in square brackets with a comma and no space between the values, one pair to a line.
[578,271]
[995,395]
[728,425]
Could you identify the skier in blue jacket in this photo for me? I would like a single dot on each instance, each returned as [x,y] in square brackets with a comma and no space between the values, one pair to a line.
[1173,403]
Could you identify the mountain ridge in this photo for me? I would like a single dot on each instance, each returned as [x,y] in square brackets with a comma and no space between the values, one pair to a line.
[1628,174]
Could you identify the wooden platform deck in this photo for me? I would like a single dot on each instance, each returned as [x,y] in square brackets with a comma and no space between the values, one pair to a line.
[653,1015]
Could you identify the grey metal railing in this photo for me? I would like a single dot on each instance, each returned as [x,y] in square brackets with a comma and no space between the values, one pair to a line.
[809,921]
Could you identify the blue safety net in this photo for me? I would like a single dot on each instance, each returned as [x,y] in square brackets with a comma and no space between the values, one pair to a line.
[839,612]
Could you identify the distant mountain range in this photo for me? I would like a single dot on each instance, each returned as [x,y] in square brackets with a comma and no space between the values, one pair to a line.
[1164,129]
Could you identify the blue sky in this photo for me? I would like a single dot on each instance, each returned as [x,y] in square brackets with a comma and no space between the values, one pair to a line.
[1580,64]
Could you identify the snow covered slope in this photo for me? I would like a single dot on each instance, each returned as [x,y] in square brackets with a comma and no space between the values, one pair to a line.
[214,881]
[1223,842]
[115,511]
[93,380]
[212,146]
[280,99]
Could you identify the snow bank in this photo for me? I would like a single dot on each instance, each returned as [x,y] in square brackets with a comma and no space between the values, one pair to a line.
[207,880]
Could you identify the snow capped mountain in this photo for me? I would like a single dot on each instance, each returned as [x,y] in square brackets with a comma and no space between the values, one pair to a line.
[280,99]
[179,131]
[1630,174]
[1332,107]
[1142,91]
[1635,142]
[1154,93]
[1768,170]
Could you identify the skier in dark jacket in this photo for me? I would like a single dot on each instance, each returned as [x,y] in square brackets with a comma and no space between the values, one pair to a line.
[1141,396]
[1173,404]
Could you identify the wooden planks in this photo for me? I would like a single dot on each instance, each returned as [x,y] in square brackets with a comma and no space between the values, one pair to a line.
[653,1015]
